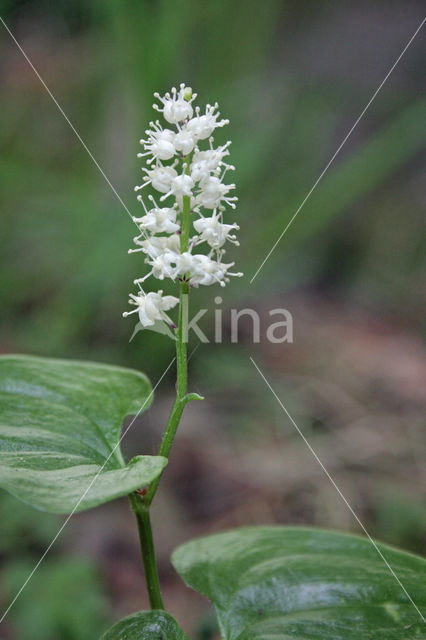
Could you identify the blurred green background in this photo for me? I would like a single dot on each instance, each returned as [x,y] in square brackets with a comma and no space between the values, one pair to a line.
[292,76]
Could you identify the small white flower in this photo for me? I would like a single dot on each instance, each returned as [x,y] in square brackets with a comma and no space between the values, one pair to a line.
[210,160]
[159,144]
[164,265]
[184,141]
[208,271]
[186,263]
[151,307]
[180,186]
[213,193]
[156,245]
[214,232]
[160,177]
[202,126]
[157,220]
[177,105]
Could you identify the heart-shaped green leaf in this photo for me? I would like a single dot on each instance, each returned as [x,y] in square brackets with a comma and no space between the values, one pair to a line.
[146,625]
[289,583]
[60,424]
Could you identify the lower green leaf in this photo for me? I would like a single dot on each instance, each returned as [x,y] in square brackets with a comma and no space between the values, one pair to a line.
[146,625]
[270,583]
[60,424]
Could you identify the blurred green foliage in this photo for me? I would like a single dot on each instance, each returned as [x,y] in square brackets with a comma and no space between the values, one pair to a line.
[400,517]
[22,528]
[65,601]
[65,598]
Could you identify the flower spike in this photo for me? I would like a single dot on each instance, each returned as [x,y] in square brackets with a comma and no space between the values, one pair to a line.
[178,167]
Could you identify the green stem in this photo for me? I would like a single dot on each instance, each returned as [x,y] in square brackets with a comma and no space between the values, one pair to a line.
[141,512]
[181,356]
[186,212]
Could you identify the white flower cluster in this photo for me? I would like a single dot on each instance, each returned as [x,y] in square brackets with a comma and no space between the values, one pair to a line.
[170,235]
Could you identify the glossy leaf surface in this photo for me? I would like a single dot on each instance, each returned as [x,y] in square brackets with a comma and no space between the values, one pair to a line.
[60,424]
[146,625]
[270,583]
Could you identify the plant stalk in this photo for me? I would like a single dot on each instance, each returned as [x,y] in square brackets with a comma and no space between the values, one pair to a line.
[141,512]
[181,355]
